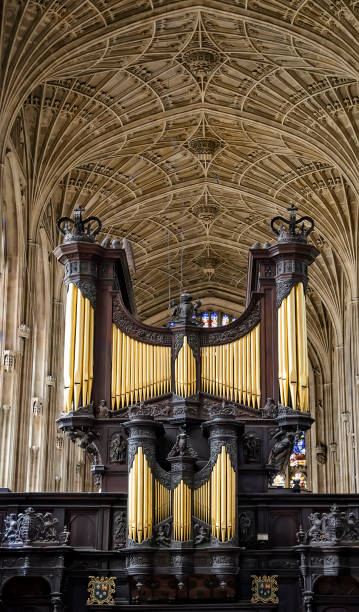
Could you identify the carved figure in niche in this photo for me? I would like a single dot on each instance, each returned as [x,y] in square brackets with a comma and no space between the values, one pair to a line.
[10,523]
[321,452]
[280,453]
[251,449]
[102,411]
[118,449]
[201,533]
[119,531]
[245,524]
[162,536]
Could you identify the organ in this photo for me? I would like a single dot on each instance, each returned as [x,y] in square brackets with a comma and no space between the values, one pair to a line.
[197,406]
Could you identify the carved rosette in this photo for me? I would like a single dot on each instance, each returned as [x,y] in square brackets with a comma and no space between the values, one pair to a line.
[201,62]
[204,148]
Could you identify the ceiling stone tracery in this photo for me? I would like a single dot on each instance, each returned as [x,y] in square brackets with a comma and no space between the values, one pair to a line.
[186,128]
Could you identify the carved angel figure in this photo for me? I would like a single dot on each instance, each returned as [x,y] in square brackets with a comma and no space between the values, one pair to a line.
[201,533]
[280,453]
[163,535]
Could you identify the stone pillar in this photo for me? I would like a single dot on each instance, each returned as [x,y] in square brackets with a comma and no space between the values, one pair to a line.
[26,373]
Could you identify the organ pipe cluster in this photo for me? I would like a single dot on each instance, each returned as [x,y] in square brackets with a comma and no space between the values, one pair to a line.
[140,371]
[79,351]
[182,512]
[232,370]
[140,498]
[292,350]
[202,502]
[162,502]
[223,498]
[185,371]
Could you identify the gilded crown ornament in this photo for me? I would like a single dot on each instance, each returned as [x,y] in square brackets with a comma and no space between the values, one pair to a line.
[79,229]
[297,231]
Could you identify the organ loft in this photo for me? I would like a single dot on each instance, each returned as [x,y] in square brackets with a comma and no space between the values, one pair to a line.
[187,428]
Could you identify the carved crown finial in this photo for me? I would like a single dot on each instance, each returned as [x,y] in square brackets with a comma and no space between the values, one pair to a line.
[298,230]
[79,229]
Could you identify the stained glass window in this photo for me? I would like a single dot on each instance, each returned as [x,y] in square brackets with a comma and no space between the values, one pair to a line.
[278,481]
[205,319]
[298,463]
[214,319]
[298,456]
[299,477]
[225,319]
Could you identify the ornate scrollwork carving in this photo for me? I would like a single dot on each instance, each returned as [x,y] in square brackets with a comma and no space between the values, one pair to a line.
[135,329]
[87,288]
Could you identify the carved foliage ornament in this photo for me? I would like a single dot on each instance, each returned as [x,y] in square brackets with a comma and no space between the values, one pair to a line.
[101,591]
[264,589]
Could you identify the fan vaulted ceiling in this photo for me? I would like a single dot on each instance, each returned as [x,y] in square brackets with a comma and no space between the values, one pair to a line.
[186,126]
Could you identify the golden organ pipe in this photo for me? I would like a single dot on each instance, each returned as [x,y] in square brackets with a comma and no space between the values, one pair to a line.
[69,349]
[280,352]
[223,494]
[292,346]
[135,371]
[145,499]
[285,369]
[114,367]
[302,348]
[79,341]
[230,368]
[258,365]
[92,323]
[229,497]
[86,350]
[119,368]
